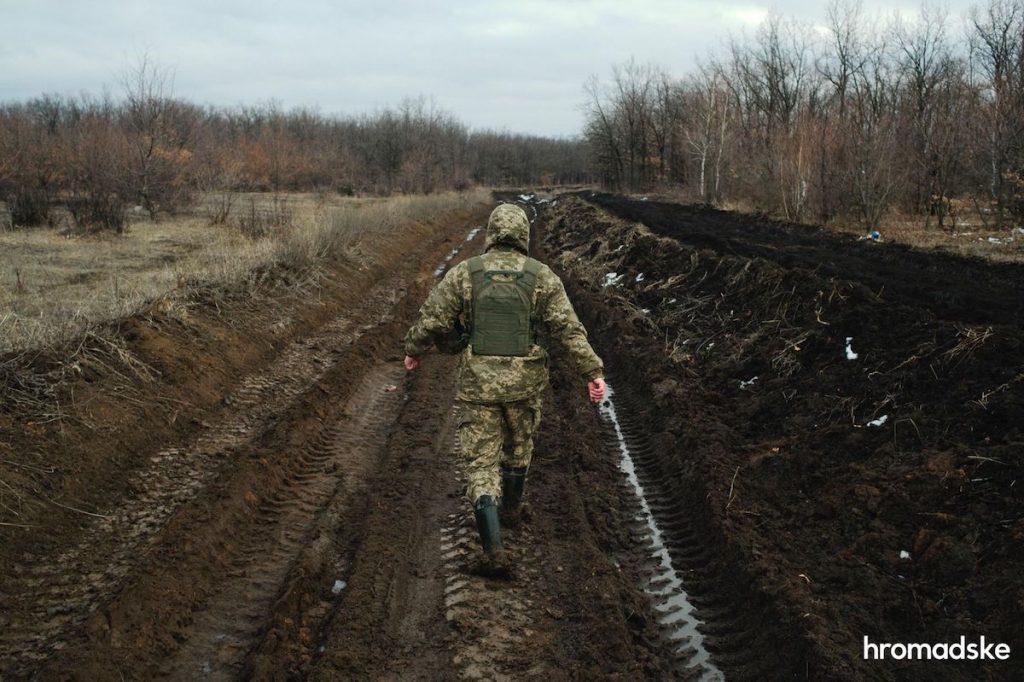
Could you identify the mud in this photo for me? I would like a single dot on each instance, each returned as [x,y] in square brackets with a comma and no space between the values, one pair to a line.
[274,497]
[872,495]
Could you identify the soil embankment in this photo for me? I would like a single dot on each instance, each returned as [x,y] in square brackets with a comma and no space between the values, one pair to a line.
[844,417]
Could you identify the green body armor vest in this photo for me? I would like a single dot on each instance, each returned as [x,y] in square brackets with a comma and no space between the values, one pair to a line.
[502,307]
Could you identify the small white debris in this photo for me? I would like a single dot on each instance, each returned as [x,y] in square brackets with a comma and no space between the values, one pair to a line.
[748,382]
[671,300]
[904,554]
[526,197]
[850,355]
[639,278]
[647,311]
[339,586]
[613,279]
[620,248]
[878,422]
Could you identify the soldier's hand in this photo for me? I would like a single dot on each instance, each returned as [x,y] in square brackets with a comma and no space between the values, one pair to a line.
[596,388]
[411,363]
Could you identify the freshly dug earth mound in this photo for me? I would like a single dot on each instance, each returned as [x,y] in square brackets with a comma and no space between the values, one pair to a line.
[845,416]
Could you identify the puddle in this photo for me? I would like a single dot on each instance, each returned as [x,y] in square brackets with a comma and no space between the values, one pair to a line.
[443,266]
[665,588]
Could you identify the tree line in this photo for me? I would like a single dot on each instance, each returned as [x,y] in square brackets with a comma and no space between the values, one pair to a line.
[852,118]
[96,156]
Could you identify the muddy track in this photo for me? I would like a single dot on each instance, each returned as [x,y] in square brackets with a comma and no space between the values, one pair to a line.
[63,591]
[718,629]
[336,463]
[320,531]
[90,601]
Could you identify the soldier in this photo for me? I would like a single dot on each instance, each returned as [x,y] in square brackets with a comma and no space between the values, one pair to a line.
[504,306]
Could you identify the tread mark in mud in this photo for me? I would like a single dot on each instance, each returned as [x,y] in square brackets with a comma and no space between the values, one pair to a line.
[494,615]
[336,463]
[442,267]
[665,587]
[62,592]
[736,638]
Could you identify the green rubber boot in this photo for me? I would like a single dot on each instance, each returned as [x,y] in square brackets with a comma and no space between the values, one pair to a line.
[486,513]
[494,562]
[513,482]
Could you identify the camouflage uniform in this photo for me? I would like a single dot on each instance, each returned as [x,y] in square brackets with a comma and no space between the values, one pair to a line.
[499,397]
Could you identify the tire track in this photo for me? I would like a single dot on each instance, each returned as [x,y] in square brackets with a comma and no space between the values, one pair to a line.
[335,464]
[711,630]
[59,594]
[664,586]
[492,616]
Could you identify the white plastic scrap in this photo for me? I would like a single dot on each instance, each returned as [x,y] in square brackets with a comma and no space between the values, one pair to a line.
[639,278]
[339,585]
[647,311]
[748,382]
[878,422]
[850,355]
[613,279]
[904,554]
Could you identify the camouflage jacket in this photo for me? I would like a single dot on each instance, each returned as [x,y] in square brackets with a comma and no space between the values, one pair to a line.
[485,379]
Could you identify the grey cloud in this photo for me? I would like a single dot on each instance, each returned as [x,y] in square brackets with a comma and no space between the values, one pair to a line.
[514,64]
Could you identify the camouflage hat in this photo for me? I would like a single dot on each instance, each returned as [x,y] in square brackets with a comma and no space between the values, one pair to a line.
[509,225]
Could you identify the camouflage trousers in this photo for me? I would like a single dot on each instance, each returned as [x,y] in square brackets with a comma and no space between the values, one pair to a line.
[492,435]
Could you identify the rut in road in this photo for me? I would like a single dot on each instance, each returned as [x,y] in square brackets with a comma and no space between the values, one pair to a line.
[495,615]
[665,586]
[335,465]
[63,591]
[714,633]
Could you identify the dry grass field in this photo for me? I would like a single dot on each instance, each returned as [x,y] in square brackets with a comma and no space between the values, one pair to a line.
[54,286]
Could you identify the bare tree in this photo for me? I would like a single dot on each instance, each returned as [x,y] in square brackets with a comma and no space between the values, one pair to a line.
[997,52]
[159,131]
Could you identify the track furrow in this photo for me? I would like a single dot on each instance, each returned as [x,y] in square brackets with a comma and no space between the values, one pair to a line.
[671,603]
[493,615]
[79,579]
[227,628]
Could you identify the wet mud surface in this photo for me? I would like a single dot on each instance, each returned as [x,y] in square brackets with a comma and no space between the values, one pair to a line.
[844,416]
[729,512]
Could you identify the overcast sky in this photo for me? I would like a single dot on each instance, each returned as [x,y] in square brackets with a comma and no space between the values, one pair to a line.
[518,65]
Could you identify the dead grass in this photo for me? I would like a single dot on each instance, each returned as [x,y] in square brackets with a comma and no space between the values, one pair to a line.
[54,287]
[968,238]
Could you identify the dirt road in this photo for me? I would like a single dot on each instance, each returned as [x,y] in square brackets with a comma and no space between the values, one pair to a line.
[317,529]
[692,527]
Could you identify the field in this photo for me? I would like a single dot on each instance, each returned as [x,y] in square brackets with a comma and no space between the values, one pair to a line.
[809,439]
[55,285]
